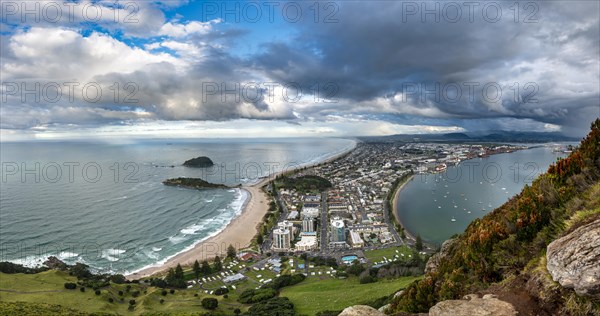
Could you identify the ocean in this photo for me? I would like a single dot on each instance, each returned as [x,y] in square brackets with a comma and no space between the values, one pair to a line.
[437,206]
[104,204]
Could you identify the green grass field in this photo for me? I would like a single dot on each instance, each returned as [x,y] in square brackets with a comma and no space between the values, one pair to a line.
[48,288]
[389,253]
[314,295]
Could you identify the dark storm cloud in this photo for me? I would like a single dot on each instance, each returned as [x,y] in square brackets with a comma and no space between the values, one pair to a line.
[378,50]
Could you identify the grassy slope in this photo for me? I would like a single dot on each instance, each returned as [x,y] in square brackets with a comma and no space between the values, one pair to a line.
[314,295]
[48,287]
[508,242]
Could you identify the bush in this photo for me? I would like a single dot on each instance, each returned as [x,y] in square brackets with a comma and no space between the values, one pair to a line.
[132,302]
[82,289]
[225,296]
[97,292]
[221,291]
[121,293]
[110,300]
[278,306]
[210,303]
[164,293]
[70,286]
[237,311]
[195,294]
[135,294]
[253,296]
[162,301]
[118,279]
[172,291]
[364,279]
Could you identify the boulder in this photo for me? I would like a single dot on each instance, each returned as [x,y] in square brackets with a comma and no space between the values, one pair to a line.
[361,310]
[472,305]
[574,259]
[435,260]
[54,263]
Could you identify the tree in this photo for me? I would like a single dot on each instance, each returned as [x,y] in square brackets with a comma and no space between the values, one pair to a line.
[70,286]
[259,239]
[419,243]
[206,270]
[197,270]
[218,266]
[210,303]
[402,234]
[231,252]
[179,272]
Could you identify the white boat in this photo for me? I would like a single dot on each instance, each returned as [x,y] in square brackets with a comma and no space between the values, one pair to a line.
[453,219]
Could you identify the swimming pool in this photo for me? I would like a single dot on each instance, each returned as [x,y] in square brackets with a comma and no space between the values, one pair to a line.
[349,259]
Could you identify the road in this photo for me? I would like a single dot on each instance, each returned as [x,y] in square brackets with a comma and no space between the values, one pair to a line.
[324,245]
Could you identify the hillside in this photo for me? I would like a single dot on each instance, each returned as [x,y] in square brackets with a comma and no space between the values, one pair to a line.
[504,253]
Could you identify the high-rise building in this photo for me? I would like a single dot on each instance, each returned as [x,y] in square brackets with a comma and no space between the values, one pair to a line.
[308,224]
[281,239]
[289,226]
[338,230]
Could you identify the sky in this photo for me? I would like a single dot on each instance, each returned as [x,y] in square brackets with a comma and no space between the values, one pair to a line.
[190,68]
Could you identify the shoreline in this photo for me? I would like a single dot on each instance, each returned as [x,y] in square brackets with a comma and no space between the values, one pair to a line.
[395,208]
[236,232]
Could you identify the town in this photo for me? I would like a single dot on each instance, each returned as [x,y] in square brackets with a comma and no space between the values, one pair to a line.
[344,207]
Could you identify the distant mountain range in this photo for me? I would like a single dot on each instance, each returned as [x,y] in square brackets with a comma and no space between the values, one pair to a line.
[490,136]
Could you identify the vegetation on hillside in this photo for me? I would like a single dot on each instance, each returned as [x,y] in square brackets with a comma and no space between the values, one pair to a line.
[510,240]
[193,183]
[306,183]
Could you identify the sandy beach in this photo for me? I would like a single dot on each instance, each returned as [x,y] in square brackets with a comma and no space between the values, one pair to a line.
[395,207]
[239,232]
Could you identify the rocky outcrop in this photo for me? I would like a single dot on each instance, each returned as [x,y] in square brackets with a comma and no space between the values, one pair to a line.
[54,263]
[361,310]
[472,305]
[435,260]
[574,259]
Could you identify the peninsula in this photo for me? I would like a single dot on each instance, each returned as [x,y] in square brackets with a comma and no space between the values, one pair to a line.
[193,183]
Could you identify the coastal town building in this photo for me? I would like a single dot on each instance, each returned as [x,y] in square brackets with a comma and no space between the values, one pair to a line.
[338,230]
[355,240]
[308,242]
[308,224]
[289,226]
[281,239]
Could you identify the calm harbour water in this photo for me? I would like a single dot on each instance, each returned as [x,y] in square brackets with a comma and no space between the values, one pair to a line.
[437,206]
[104,204]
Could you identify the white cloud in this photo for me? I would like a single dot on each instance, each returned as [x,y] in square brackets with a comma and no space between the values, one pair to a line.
[179,30]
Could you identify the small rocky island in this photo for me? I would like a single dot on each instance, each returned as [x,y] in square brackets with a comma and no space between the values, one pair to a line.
[199,162]
[193,183]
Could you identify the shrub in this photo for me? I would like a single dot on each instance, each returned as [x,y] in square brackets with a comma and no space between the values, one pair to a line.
[237,311]
[135,294]
[221,291]
[164,292]
[110,300]
[210,303]
[82,289]
[131,302]
[253,296]
[278,306]
[162,301]
[121,293]
[97,292]
[70,286]
[172,291]
[118,279]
